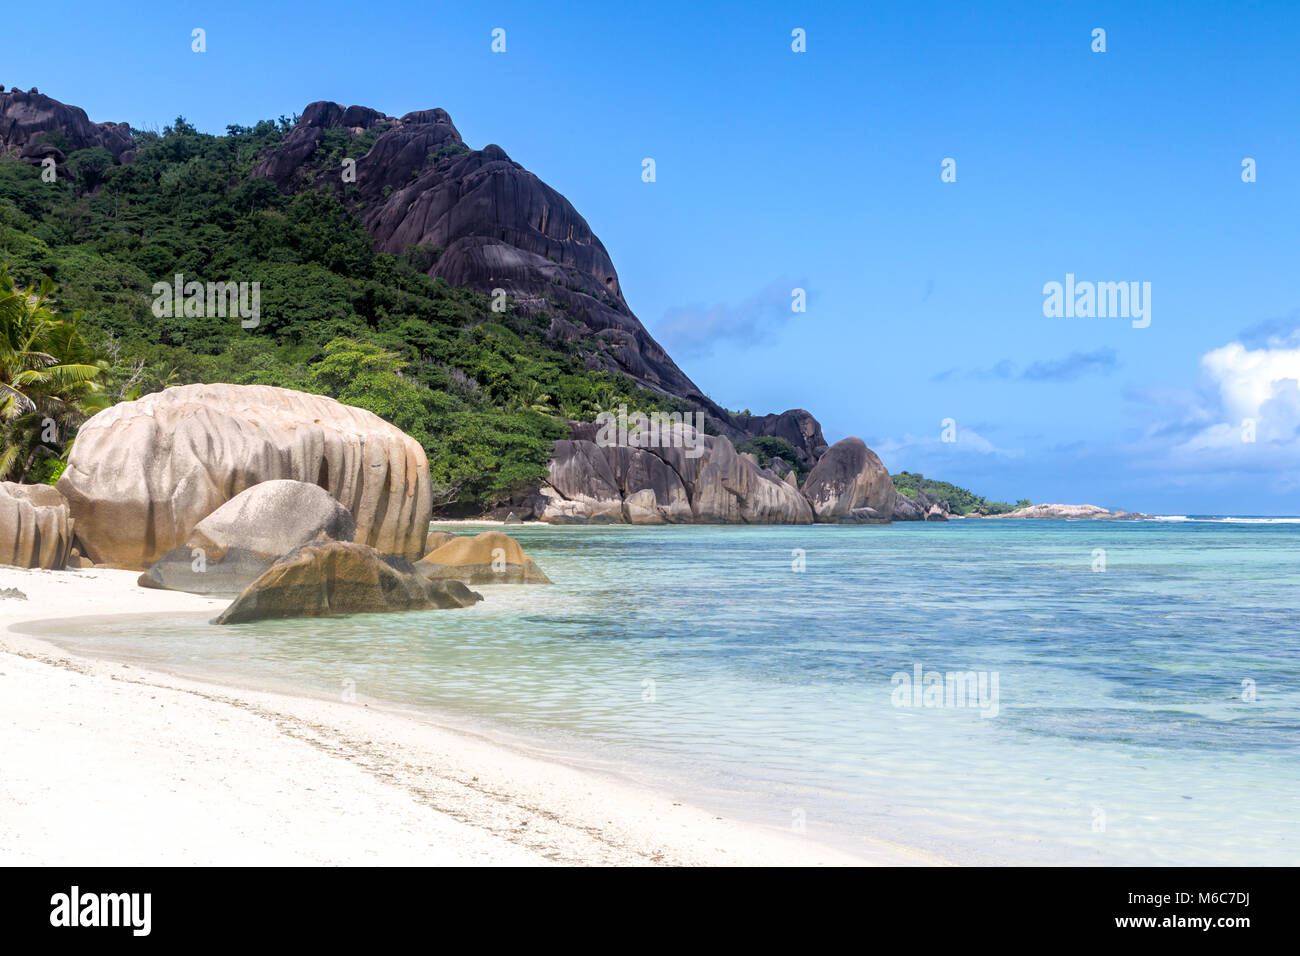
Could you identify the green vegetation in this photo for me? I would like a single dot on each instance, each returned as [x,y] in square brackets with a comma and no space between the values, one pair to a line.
[767,447]
[455,149]
[49,381]
[486,393]
[960,500]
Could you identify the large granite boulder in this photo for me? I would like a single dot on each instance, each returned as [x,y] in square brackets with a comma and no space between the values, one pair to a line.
[726,488]
[35,526]
[488,558]
[230,548]
[683,478]
[142,474]
[651,490]
[340,577]
[850,484]
[907,508]
[580,486]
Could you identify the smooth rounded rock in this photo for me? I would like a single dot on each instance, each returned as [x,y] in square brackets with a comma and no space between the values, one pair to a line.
[488,558]
[231,547]
[143,474]
[849,482]
[339,577]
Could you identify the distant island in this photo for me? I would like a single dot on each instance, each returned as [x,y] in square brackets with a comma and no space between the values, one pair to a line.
[960,501]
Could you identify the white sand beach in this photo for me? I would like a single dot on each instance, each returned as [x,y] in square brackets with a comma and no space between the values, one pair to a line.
[109,764]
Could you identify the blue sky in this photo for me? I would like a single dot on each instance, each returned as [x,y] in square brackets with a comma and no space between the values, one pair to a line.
[821,170]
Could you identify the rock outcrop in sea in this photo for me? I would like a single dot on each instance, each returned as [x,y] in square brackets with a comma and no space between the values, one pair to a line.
[487,558]
[850,485]
[1066,511]
[920,507]
[341,577]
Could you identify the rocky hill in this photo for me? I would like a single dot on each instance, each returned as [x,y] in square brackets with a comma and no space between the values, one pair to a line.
[33,126]
[487,222]
[412,190]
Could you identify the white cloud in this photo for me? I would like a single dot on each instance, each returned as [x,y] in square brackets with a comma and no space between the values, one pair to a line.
[1259,385]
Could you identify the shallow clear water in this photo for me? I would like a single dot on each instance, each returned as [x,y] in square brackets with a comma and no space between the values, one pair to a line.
[1124,732]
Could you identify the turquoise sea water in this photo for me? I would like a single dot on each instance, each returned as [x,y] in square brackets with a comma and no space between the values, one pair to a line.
[1147,713]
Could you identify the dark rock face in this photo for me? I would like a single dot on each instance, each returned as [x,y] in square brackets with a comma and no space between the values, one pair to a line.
[497,224]
[850,484]
[907,509]
[796,426]
[779,466]
[923,507]
[287,165]
[341,577]
[25,118]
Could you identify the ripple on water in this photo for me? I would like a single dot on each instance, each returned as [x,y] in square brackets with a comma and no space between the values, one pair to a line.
[1160,695]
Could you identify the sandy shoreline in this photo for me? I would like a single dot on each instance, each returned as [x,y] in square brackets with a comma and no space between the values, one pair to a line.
[107,763]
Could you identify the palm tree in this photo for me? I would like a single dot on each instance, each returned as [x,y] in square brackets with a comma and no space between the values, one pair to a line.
[48,377]
[606,398]
[530,395]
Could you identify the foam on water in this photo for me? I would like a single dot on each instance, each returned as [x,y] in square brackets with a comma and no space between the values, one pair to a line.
[1228,519]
